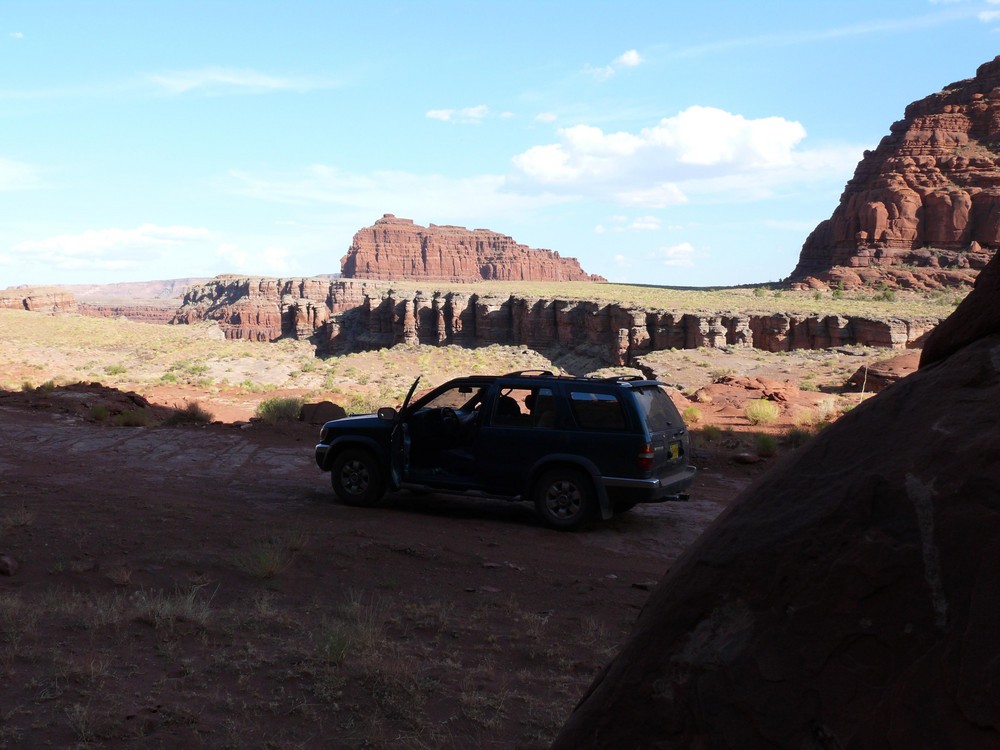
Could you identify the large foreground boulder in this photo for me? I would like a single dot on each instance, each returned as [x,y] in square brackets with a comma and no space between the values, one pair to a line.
[849,599]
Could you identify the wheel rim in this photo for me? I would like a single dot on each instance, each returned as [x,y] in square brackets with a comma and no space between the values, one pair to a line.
[354,477]
[563,499]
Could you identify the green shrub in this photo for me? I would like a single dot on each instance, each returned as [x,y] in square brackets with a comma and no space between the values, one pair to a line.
[193,413]
[360,403]
[692,415]
[798,436]
[767,445]
[279,409]
[761,411]
[115,369]
[710,433]
[99,412]
[135,418]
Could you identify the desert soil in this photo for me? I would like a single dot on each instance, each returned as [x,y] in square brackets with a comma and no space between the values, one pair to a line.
[196,586]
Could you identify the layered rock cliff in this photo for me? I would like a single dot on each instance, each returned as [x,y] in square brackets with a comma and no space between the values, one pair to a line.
[38,299]
[923,208]
[399,249]
[341,316]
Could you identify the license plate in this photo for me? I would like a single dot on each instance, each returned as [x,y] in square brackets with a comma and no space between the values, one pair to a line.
[675,451]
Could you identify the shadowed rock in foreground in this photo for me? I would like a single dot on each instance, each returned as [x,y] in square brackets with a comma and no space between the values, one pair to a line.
[850,598]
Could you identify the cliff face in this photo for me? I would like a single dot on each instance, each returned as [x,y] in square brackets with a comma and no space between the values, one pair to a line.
[923,209]
[399,249]
[342,316]
[38,299]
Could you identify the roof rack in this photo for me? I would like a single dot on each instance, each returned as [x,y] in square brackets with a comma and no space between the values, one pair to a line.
[526,373]
[624,378]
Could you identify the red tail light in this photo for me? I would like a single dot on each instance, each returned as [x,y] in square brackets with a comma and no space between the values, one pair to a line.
[646,457]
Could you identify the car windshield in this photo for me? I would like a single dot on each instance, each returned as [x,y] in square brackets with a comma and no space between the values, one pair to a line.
[657,409]
[463,397]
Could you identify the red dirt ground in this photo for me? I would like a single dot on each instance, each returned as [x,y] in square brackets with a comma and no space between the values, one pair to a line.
[195,586]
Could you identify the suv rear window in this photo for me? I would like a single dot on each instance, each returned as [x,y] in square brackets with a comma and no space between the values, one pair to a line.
[597,411]
[657,409]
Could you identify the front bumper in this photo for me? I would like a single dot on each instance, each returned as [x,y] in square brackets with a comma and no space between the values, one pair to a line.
[321,454]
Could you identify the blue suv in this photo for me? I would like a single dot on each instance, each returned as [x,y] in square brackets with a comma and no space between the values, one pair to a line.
[576,447]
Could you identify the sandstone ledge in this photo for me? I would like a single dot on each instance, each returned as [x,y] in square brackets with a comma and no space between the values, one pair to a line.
[341,316]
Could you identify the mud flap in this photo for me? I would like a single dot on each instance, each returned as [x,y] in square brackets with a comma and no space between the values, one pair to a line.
[606,506]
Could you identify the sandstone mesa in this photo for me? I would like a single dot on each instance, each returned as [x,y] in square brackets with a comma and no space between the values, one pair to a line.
[396,248]
[923,209]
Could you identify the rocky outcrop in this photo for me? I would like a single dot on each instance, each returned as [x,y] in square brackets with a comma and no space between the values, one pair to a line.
[158,312]
[395,249]
[341,316]
[923,209]
[880,375]
[849,598]
[38,299]
[265,309]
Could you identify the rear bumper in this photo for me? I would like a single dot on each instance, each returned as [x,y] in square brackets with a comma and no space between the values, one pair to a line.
[655,489]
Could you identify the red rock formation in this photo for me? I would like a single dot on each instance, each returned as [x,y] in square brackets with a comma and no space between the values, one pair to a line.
[38,299]
[158,312]
[399,249]
[349,315]
[849,598]
[923,209]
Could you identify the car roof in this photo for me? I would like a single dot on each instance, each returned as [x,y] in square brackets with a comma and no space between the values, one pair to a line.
[629,381]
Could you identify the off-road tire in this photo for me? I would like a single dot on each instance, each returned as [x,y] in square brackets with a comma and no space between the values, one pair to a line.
[357,478]
[565,498]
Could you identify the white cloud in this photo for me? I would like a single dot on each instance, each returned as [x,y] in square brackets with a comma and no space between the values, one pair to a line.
[645,224]
[677,256]
[466,116]
[108,249]
[545,117]
[268,261]
[988,16]
[629,59]
[216,80]
[699,150]
[15,175]
[16,35]
[625,224]
[478,198]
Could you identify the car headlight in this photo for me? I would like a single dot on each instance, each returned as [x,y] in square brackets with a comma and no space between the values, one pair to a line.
[323,432]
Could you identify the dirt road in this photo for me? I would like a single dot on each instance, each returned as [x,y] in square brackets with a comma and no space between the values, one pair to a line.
[181,585]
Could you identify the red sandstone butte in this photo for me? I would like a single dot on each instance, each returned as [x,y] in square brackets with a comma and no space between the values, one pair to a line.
[923,209]
[394,249]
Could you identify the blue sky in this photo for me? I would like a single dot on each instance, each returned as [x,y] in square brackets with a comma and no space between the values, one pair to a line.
[659,142]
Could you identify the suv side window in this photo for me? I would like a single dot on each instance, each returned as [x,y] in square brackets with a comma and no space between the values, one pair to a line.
[524,407]
[597,411]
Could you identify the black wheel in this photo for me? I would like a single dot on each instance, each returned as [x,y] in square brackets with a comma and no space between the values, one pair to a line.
[357,478]
[564,498]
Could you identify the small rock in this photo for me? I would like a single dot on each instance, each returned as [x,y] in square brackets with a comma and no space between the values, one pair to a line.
[645,585]
[744,457]
[8,565]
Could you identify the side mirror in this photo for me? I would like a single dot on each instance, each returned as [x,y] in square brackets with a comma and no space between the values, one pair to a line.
[387,413]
